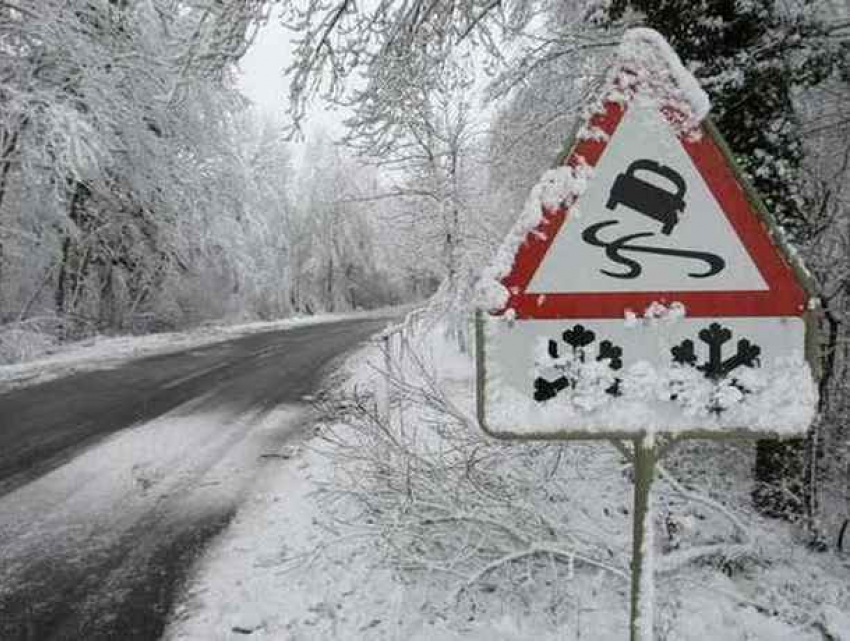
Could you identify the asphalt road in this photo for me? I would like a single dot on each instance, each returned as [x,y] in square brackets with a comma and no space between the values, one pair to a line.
[112,482]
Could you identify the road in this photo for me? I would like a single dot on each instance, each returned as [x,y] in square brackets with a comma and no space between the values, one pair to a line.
[112,482]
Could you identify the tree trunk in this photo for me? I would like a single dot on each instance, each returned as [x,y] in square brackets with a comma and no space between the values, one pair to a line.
[329,285]
[819,435]
[9,147]
[73,263]
[781,488]
[61,283]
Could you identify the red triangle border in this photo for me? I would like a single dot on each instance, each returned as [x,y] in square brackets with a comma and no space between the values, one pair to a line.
[784,296]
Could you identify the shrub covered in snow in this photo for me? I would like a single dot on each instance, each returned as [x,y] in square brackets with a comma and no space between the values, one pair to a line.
[542,532]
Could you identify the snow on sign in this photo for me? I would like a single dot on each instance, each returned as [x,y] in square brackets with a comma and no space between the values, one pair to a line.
[643,288]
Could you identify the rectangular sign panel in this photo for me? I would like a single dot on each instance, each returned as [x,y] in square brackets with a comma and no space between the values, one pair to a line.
[596,377]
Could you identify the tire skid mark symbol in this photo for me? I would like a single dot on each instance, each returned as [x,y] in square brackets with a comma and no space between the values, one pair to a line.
[614,251]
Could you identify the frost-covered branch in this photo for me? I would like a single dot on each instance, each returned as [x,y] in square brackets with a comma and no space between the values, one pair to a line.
[567,556]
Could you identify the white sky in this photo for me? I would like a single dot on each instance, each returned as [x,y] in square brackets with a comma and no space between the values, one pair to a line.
[263,82]
[262,68]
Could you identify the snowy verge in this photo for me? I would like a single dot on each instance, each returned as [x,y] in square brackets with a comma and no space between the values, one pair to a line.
[461,537]
[103,352]
[283,571]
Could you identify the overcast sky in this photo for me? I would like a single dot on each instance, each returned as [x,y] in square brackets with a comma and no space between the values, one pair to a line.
[262,68]
[263,82]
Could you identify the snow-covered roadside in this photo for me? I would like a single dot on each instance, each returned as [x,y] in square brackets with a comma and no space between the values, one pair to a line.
[107,352]
[199,460]
[283,571]
[280,573]
[286,570]
[270,575]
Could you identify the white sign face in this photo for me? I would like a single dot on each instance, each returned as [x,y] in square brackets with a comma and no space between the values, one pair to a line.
[597,376]
[615,239]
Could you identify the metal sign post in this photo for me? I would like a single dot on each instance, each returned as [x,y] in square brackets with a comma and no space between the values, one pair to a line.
[642,594]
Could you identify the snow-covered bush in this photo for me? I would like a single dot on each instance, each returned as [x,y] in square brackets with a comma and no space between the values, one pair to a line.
[478,517]
[26,340]
[537,530]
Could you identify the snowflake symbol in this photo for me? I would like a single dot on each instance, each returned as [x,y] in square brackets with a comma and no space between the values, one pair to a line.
[578,339]
[726,390]
[717,368]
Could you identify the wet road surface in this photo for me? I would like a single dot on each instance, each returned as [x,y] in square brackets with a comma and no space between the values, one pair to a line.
[112,482]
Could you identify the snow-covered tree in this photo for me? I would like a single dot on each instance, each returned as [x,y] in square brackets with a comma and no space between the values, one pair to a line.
[335,261]
[137,190]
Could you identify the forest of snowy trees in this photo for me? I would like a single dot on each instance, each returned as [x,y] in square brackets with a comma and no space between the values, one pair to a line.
[139,192]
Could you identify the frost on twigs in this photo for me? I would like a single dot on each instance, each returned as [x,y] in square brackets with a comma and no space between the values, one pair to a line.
[478,527]
[558,188]
[482,521]
[646,68]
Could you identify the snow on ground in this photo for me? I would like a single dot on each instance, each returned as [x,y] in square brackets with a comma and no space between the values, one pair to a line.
[203,458]
[97,526]
[299,562]
[101,352]
[261,578]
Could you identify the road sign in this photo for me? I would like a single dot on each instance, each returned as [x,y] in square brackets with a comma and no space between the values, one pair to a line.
[645,290]
[652,292]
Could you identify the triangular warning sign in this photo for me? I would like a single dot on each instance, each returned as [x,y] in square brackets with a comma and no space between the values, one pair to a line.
[644,288]
[664,217]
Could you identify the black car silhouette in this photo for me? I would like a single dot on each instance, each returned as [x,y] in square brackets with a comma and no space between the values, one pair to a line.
[648,198]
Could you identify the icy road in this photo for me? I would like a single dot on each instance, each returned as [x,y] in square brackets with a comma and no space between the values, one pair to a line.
[112,482]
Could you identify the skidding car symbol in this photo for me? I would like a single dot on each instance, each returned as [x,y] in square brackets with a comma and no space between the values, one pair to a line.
[647,198]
